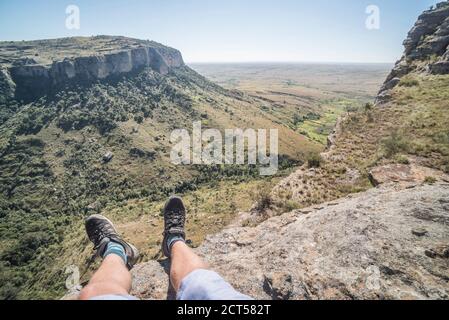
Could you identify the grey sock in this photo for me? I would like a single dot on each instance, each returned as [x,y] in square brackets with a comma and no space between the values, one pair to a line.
[117,249]
[172,239]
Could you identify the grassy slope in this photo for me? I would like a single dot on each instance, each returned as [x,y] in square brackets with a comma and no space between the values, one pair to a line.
[53,175]
[412,127]
[414,123]
[309,97]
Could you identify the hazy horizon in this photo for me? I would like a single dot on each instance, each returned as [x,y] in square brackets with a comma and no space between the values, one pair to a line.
[290,62]
[263,31]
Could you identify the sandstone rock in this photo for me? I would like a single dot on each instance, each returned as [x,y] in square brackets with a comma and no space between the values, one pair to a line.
[351,176]
[427,24]
[361,248]
[150,280]
[279,286]
[34,79]
[428,38]
[107,157]
[402,173]
[420,232]
[440,251]
[7,86]
[382,98]
[391,84]
[439,68]
[400,69]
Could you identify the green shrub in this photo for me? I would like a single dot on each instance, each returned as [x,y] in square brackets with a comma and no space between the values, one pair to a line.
[262,198]
[430,180]
[407,82]
[394,144]
[297,119]
[314,160]
[368,106]
[399,158]
[289,205]
[138,118]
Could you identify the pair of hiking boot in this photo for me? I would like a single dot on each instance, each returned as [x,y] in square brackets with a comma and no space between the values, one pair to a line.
[101,231]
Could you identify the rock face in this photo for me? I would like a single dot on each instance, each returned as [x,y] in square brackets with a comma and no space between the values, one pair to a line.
[427,41]
[381,244]
[430,35]
[7,86]
[404,174]
[33,79]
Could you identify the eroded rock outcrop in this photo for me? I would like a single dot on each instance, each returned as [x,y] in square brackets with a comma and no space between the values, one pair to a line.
[7,86]
[426,48]
[33,78]
[405,174]
[381,244]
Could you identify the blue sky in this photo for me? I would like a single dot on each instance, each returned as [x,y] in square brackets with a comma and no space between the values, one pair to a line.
[229,30]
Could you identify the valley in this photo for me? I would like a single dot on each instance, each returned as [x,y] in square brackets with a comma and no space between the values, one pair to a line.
[354,205]
[53,167]
[310,96]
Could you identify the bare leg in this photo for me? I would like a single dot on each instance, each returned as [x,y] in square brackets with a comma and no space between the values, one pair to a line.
[183,262]
[111,278]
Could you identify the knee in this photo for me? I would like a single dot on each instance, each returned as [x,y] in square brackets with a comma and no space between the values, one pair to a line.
[88,292]
[101,289]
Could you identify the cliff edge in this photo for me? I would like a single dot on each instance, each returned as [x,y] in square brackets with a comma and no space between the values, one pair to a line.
[426,49]
[381,244]
[31,69]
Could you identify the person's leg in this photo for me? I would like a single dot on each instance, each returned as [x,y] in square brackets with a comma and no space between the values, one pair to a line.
[113,279]
[188,273]
[183,262]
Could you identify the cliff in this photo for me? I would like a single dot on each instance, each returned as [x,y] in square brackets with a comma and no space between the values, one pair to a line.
[382,244]
[426,48]
[42,68]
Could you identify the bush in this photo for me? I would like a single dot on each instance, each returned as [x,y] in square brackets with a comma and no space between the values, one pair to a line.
[262,198]
[401,159]
[138,118]
[430,180]
[394,144]
[407,82]
[25,250]
[368,106]
[314,160]
[297,119]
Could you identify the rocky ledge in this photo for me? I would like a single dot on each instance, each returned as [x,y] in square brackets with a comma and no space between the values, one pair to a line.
[381,244]
[30,77]
[426,48]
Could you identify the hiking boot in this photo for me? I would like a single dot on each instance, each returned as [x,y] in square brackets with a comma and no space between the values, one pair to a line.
[101,231]
[174,221]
